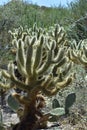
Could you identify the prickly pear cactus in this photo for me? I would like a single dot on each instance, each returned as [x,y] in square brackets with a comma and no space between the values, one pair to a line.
[70,99]
[57,111]
[12,103]
[55,103]
[54,114]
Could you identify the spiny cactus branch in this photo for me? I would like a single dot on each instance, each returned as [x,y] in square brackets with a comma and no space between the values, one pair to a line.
[38,54]
[29,55]
[5,86]
[59,56]
[78,52]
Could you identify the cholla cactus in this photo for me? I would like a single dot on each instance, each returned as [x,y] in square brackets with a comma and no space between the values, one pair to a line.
[78,53]
[58,34]
[55,32]
[38,77]
[30,66]
[18,33]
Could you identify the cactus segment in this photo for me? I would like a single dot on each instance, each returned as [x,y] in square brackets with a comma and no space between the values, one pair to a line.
[19,84]
[73,57]
[20,53]
[6,75]
[85,51]
[13,104]
[55,103]
[83,61]
[61,38]
[59,56]
[15,43]
[11,69]
[38,54]
[47,64]
[49,92]
[61,62]
[4,86]
[67,68]
[65,82]
[21,69]
[29,55]
[70,99]
[57,111]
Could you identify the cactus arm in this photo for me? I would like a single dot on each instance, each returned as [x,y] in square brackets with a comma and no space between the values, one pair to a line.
[79,45]
[73,57]
[15,43]
[64,83]
[29,55]
[38,55]
[50,58]
[82,60]
[61,38]
[67,80]
[4,86]
[21,69]
[19,84]
[61,62]
[11,69]
[47,79]
[20,53]
[58,34]
[12,77]
[24,34]
[47,88]
[59,55]
[46,65]
[57,31]
[78,53]
[85,51]
[48,92]
[6,74]
[20,58]
[51,92]
[67,68]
